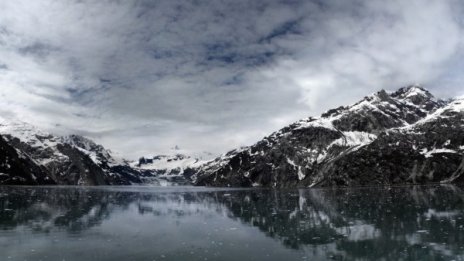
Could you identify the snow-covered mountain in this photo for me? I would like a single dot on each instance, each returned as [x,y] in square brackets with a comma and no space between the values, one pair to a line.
[171,167]
[69,160]
[405,136]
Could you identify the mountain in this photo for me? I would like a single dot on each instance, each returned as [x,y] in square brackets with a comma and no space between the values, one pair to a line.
[16,168]
[37,157]
[177,167]
[401,137]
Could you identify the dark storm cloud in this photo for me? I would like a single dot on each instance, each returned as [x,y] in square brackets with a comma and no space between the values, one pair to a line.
[143,76]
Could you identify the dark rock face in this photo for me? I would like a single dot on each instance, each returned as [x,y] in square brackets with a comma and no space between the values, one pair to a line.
[388,138]
[428,152]
[17,168]
[112,171]
[70,160]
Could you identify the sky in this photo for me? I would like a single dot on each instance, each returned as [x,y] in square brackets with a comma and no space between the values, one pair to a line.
[141,77]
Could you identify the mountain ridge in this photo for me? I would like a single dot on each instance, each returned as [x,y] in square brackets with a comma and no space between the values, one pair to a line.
[62,160]
[405,136]
[392,135]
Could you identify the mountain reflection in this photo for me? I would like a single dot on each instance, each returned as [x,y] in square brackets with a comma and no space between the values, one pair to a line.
[353,224]
[362,223]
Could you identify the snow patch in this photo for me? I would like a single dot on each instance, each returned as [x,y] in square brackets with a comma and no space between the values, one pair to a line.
[301,175]
[457,105]
[316,123]
[430,153]
[92,155]
[354,138]
[291,162]
[415,91]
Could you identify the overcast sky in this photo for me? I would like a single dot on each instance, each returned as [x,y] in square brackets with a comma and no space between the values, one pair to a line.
[141,77]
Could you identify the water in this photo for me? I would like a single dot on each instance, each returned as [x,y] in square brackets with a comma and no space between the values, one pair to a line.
[146,223]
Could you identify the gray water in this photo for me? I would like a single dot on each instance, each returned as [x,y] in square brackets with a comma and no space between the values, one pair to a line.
[182,223]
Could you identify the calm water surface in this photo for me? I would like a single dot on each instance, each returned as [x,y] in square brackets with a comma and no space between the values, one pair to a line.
[182,223]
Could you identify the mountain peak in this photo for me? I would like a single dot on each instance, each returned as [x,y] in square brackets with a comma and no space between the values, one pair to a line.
[418,96]
[412,91]
[79,141]
[382,95]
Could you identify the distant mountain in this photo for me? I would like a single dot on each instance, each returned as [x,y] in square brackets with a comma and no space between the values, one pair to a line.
[400,137]
[30,156]
[177,167]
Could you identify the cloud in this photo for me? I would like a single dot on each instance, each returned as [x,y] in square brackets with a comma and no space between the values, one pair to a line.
[144,76]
